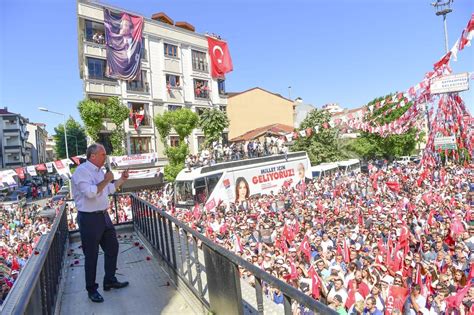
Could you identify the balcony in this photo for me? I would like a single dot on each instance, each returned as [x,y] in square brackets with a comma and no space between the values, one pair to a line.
[171,268]
[146,122]
[102,86]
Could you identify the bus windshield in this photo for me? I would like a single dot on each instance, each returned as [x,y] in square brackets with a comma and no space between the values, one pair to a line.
[184,192]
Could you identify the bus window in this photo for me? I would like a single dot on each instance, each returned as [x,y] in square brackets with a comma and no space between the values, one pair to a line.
[201,190]
[212,181]
[184,192]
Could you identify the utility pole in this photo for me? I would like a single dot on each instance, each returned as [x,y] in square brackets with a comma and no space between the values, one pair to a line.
[289,92]
[443,7]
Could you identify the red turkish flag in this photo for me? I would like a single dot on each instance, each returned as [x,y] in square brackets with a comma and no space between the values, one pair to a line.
[314,283]
[395,299]
[304,247]
[221,62]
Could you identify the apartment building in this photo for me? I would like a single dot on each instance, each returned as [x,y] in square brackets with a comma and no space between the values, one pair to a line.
[37,137]
[175,73]
[13,135]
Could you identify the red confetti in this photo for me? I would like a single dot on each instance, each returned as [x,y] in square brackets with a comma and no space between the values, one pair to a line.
[37,252]
[76,262]
[136,243]
[148,258]
[141,247]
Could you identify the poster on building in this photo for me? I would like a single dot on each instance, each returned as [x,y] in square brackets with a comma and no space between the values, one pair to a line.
[123,40]
[49,166]
[31,170]
[138,174]
[135,159]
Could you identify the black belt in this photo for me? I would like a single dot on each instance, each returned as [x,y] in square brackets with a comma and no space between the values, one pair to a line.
[94,212]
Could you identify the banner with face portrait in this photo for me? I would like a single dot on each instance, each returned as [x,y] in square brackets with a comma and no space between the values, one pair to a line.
[236,186]
[123,39]
[134,159]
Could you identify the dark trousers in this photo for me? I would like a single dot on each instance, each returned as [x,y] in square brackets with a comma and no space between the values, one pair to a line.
[97,229]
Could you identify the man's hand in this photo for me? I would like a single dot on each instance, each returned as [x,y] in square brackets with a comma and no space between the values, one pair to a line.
[109,176]
[125,175]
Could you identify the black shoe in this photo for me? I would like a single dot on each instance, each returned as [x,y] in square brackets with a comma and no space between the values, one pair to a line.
[95,297]
[115,285]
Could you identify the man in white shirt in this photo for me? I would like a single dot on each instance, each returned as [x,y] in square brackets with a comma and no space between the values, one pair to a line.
[91,188]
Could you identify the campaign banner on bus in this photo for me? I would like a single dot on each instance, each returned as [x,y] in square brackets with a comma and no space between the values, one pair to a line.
[237,186]
[135,159]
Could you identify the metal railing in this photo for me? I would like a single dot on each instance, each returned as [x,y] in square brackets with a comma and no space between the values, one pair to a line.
[209,271]
[36,289]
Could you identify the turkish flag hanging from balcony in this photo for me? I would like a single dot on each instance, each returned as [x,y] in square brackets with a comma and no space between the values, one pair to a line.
[221,62]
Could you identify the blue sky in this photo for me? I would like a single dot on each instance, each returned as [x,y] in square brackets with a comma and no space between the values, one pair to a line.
[342,51]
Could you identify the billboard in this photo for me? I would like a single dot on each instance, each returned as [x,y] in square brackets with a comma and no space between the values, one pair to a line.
[237,185]
[135,159]
[450,83]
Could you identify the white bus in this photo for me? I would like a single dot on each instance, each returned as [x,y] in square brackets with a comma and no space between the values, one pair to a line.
[237,180]
[324,169]
[349,165]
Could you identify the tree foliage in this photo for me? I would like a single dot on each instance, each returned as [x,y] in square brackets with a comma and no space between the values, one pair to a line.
[213,122]
[75,132]
[370,145]
[94,113]
[182,121]
[321,146]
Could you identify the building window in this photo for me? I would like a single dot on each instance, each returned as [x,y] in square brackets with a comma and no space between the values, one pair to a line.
[172,81]
[223,108]
[201,88]
[199,60]
[96,69]
[171,50]
[140,84]
[144,53]
[174,107]
[174,141]
[139,115]
[200,142]
[95,32]
[221,86]
[139,145]
[225,138]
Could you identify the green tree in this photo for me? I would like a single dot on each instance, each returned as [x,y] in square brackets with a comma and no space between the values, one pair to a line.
[321,146]
[75,132]
[182,121]
[94,113]
[117,113]
[371,145]
[213,122]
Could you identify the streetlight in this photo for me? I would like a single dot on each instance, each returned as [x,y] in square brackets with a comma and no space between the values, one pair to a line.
[443,7]
[65,132]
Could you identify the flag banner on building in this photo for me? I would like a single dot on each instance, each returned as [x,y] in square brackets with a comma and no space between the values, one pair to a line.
[123,40]
[20,172]
[221,62]
[41,167]
[49,167]
[138,174]
[135,159]
[31,170]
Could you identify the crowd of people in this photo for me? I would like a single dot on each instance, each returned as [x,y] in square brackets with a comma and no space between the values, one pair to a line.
[20,230]
[400,238]
[236,151]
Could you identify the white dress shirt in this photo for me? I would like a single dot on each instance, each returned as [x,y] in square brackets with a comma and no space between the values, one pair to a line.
[84,188]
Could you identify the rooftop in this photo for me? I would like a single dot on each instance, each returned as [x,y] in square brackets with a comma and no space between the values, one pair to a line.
[274,129]
[232,94]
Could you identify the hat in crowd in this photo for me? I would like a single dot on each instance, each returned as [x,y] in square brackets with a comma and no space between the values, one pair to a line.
[387,279]
[293,250]
[338,297]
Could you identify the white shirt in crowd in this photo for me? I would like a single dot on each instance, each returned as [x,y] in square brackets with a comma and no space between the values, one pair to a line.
[84,188]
